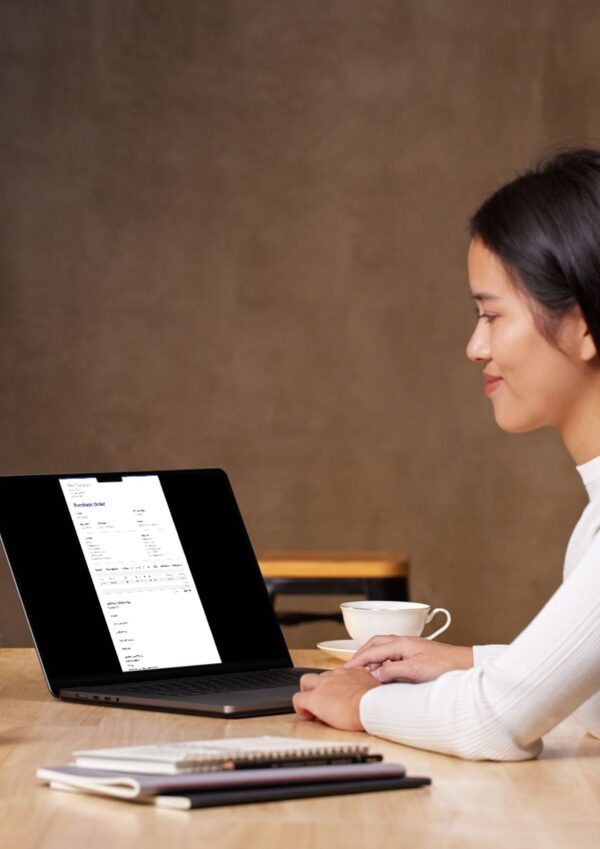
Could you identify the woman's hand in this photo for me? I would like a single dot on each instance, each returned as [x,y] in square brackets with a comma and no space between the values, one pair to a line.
[414,659]
[334,697]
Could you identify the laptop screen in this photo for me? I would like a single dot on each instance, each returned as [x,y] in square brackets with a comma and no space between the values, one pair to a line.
[122,575]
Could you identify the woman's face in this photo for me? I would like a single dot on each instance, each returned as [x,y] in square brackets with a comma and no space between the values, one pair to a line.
[531,381]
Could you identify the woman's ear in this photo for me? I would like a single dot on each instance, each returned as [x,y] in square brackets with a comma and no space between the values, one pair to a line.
[587,346]
[580,341]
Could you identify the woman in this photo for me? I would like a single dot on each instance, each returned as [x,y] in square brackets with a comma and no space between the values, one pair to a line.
[534,273]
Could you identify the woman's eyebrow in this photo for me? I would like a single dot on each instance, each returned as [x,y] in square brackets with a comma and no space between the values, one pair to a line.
[485,296]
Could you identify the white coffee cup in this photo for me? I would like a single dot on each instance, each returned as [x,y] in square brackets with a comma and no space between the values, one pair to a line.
[366,619]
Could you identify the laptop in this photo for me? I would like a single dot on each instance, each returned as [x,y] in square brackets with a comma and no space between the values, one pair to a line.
[141,589]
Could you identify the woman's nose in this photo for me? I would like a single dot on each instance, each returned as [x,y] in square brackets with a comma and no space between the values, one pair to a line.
[478,349]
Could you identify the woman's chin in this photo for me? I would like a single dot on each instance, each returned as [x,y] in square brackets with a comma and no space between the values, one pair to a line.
[511,424]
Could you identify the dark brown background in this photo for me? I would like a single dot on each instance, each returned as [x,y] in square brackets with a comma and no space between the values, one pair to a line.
[234,234]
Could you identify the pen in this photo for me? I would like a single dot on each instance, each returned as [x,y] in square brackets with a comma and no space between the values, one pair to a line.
[317,760]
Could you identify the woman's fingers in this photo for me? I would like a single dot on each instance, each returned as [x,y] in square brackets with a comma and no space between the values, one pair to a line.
[379,640]
[309,681]
[378,653]
[298,701]
[402,670]
[374,655]
[410,658]
[308,684]
[335,697]
[374,641]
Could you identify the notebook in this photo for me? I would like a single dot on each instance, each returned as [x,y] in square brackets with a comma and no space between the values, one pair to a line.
[190,756]
[141,589]
[229,771]
[232,788]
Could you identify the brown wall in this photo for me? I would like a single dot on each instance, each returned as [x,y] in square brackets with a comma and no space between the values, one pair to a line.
[233,234]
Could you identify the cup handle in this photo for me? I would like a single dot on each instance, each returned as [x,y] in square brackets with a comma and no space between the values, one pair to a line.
[444,626]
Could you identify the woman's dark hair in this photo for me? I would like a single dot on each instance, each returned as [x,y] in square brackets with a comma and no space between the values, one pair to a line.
[545,228]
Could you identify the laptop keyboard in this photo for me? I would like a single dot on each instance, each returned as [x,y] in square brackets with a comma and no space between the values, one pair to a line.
[213,683]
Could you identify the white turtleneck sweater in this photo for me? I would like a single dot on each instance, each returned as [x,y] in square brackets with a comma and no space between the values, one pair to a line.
[513,695]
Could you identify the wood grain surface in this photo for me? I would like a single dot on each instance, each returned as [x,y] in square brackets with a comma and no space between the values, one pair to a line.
[546,804]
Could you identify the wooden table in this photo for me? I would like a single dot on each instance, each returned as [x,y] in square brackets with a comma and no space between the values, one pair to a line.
[552,802]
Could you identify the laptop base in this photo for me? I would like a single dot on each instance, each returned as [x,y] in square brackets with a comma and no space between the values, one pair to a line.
[236,704]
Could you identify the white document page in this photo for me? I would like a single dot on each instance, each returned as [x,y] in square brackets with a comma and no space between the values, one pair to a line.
[140,572]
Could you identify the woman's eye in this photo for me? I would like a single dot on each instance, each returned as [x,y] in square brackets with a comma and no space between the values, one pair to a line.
[488,317]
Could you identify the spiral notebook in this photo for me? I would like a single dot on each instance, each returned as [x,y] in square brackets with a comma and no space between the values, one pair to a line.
[223,754]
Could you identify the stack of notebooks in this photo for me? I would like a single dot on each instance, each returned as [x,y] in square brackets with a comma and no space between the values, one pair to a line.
[233,771]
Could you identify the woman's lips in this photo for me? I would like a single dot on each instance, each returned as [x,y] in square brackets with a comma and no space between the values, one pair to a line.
[491,384]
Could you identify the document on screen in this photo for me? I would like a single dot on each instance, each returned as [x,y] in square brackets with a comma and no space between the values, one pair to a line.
[140,572]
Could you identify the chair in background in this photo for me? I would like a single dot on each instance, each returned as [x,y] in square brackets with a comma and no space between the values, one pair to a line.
[374,574]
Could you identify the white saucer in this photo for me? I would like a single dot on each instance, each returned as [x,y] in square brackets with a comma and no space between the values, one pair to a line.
[344,649]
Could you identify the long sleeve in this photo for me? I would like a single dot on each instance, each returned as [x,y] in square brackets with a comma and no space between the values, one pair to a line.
[490,652]
[501,709]
[588,715]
